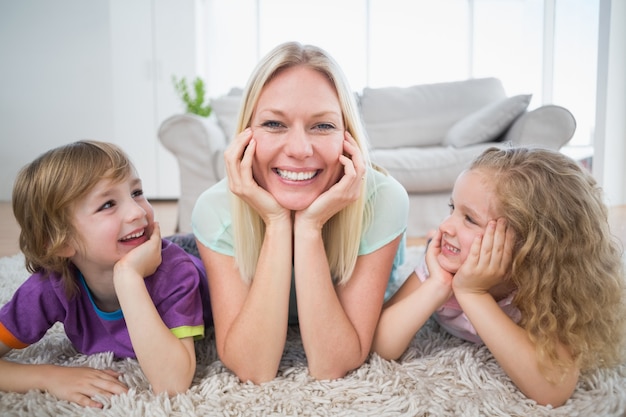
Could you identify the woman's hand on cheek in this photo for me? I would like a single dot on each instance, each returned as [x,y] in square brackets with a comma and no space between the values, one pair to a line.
[238,158]
[345,191]
[489,260]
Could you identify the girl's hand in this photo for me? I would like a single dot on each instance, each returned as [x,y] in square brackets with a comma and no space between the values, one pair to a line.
[435,272]
[238,157]
[489,261]
[145,258]
[80,384]
[344,192]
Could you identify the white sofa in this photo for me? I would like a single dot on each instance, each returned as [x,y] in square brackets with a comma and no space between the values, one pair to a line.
[424,135]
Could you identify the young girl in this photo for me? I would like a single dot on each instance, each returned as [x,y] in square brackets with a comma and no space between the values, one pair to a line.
[525,263]
[100,267]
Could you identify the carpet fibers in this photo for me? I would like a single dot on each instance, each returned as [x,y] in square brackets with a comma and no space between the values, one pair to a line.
[439,375]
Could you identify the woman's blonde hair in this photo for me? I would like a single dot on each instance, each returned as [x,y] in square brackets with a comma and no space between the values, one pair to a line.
[44,195]
[342,232]
[567,266]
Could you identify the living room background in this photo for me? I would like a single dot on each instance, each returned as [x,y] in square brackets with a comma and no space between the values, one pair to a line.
[544,47]
[103,69]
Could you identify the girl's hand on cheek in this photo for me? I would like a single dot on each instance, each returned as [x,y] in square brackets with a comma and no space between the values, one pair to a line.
[489,261]
[345,191]
[238,158]
[435,271]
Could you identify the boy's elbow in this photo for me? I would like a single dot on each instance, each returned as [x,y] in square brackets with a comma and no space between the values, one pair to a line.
[173,385]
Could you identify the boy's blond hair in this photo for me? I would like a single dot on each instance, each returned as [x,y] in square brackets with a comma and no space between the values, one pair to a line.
[44,195]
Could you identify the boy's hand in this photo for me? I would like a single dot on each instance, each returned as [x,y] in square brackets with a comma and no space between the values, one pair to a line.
[145,258]
[489,260]
[80,384]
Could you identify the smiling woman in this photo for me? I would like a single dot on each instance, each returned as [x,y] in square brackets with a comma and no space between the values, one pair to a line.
[294,234]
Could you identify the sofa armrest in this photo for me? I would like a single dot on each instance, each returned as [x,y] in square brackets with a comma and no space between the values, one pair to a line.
[198,143]
[548,126]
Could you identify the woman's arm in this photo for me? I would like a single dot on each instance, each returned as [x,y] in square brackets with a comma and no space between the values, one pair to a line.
[407,311]
[75,384]
[168,362]
[337,323]
[251,319]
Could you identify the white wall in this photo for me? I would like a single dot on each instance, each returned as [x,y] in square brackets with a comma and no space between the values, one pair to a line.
[610,139]
[98,69]
[55,80]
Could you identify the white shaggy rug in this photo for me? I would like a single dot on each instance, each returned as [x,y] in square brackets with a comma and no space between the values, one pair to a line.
[438,376]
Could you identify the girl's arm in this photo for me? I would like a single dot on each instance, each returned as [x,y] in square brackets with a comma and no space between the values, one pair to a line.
[515,352]
[168,362]
[489,260]
[75,384]
[409,308]
[251,319]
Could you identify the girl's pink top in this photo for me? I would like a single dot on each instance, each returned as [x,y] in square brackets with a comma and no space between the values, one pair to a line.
[451,317]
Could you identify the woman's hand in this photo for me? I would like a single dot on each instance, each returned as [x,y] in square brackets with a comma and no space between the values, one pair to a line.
[344,192]
[489,261]
[238,157]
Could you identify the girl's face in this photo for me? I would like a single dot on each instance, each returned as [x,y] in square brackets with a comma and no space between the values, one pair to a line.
[111,220]
[298,126]
[472,206]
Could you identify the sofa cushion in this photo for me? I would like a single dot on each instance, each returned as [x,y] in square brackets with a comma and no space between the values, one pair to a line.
[487,123]
[549,126]
[421,115]
[428,169]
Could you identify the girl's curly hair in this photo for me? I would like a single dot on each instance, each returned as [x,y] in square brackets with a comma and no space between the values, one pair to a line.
[567,266]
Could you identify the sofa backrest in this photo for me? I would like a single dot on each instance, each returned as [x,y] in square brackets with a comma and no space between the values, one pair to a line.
[421,115]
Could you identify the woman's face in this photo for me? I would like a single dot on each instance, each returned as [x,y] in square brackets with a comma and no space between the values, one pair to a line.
[298,126]
[472,206]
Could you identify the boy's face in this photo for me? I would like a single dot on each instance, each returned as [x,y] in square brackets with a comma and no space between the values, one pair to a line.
[111,220]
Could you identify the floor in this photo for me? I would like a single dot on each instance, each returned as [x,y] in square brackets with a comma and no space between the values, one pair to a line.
[166,211]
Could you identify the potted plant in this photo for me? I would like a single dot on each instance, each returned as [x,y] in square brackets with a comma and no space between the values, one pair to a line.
[195,101]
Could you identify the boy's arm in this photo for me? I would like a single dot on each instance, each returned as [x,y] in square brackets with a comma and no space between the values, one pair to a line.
[74,384]
[168,362]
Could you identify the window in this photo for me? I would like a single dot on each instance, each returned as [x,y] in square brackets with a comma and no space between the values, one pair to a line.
[544,47]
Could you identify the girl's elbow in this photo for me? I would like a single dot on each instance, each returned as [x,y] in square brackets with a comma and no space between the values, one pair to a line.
[556,396]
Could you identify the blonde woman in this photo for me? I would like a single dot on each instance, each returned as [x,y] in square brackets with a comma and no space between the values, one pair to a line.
[302,219]
[526,264]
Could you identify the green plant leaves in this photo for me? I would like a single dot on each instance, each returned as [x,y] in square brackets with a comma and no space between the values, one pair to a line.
[194,101]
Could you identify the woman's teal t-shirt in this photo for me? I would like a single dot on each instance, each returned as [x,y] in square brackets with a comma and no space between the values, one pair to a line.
[212,221]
